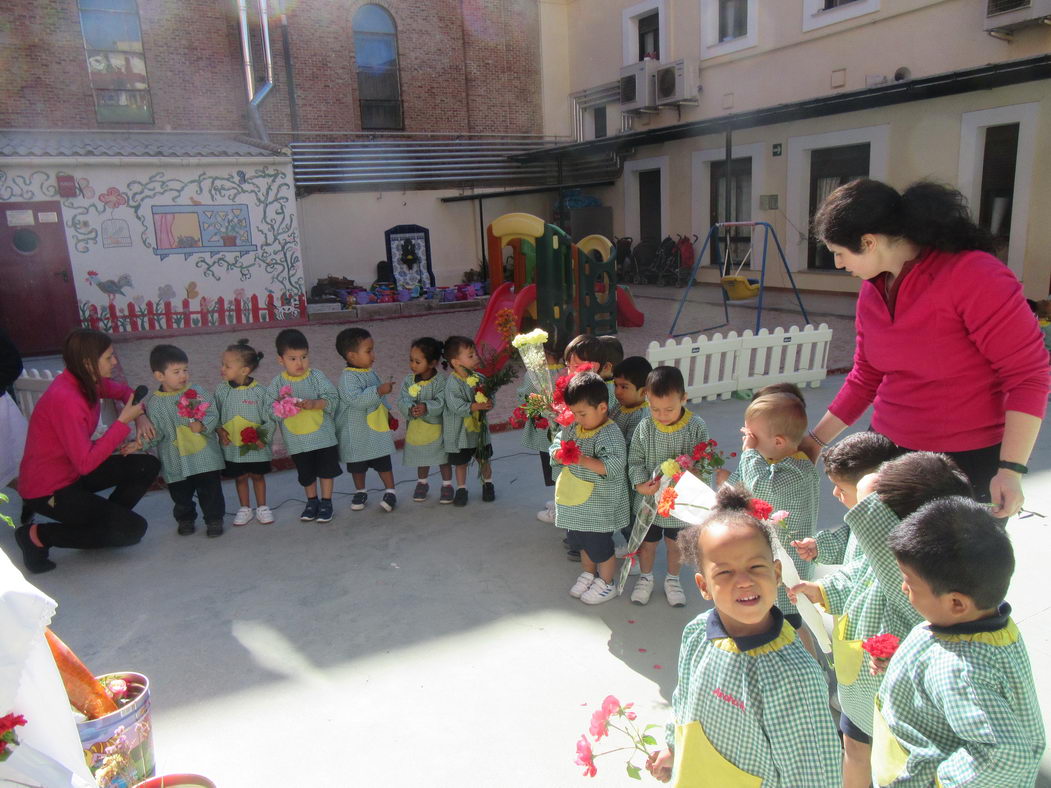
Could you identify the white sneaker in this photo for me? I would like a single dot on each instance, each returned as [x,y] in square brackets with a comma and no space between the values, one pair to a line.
[243,516]
[600,592]
[640,595]
[673,590]
[264,515]
[548,514]
[584,581]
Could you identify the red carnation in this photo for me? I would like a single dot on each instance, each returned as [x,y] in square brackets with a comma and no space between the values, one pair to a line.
[249,435]
[698,452]
[541,423]
[568,453]
[565,417]
[392,423]
[882,646]
[760,509]
[191,394]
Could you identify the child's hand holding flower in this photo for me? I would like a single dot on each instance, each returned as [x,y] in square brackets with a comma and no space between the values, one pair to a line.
[568,453]
[414,390]
[880,649]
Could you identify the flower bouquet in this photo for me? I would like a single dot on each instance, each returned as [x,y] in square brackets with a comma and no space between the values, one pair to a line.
[252,438]
[286,405]
[602,721]
[8,739]
[191,406]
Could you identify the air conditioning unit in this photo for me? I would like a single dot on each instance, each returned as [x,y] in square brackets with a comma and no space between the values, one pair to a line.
[637,88]
[675,83]
[1007,15]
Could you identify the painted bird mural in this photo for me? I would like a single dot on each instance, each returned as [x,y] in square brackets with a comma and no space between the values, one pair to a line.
[108,286]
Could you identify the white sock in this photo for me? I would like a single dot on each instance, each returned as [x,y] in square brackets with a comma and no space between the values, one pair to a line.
[648,575]
[390,490]
[364,492]
[446,484]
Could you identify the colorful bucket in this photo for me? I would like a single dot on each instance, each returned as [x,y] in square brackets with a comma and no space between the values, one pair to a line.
[128,735]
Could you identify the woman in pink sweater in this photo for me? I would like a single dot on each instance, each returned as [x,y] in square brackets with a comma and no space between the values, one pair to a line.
[948,352]
[63,469]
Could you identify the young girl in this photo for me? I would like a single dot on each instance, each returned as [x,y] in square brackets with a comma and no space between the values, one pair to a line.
[421,401]
[460,420]
[751,707]
[243,404]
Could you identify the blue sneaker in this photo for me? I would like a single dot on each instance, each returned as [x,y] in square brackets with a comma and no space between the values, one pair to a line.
[324,511]
[357,503]
[310,512]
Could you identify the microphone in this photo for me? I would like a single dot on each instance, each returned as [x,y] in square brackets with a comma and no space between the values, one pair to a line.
[139,395]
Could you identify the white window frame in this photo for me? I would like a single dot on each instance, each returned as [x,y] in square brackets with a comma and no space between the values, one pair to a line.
[969,180]
[797,185]
[816,17]
[701,179]
[631,193]
[630,26]
[711,46]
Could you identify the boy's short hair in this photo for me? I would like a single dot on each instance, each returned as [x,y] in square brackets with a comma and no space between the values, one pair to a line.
[783,413]
[452,347]
[955,544]
[664,381]
[163,356]
[731,508]
[348,339]
[291,339]
[585,347]
[588,387]
[908,482]
[634,369]
[555,346]
[780,388]
[612,350]
[859,454]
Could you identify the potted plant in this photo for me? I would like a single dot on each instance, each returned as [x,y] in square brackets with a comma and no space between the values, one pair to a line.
[230,230]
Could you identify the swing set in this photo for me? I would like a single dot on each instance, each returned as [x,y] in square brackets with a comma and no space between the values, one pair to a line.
[735,286]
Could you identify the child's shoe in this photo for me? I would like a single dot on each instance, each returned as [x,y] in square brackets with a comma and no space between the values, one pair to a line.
[263,515]
[584,581]
[357,503]
[419,495]
[573,555]
[388,502]
[488,492]
[547,515]
[640,595]
[600,592]
[460,498]
[214,529]
[186,528]
[243,516]
[35,558]
[446,494]
[310,512]
[324,510]
[673,590]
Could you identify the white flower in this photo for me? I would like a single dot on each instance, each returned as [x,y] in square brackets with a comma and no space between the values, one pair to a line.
[535,337]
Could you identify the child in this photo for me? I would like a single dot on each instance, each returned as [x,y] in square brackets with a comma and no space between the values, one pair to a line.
[589,349]
[866,595]
[363,421]
[242,404]
[591,496]
[612,354]
[751,706]
[310,435]
[671,430]
[538,436]
[460,421]
[958,705]
[187,448]
[629,387]
[421,401]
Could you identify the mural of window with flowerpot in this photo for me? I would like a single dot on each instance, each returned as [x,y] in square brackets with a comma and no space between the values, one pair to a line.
[209,229]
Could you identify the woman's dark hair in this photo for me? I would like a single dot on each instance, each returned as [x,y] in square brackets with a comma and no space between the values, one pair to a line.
[634,369]
[248,354]
[731,508]
[348,339]
[857,455]
[291,339]
[587,387]
[81,351]
[908,482]
[929,214]
[665,381]
[452,347]
[430,348]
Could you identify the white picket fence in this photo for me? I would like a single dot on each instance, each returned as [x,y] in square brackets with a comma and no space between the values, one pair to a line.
[717,366]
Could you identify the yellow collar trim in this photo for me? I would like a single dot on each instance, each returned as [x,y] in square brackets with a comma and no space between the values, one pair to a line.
[682,422]
[787,636]
[427,382]
[799,455]
[296,378]
[359,369]
[583,433]
[171,393]
[555,367]
[633,408]
[1001,637]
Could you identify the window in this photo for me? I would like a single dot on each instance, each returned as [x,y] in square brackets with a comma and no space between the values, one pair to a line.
[999,160]
[733,19]
[740,208]
[828,5]
[728,26]
[116,64]
[649,36]
[644,31]
[600,121]
[376,54]
[830,168]
[822,13]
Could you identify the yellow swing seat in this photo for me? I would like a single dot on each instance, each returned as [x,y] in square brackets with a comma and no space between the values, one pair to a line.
[739,288]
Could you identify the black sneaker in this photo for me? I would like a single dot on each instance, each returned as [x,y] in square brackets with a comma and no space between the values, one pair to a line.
[324,510]
[35,558]
[446,494]
[388,502]
[488,492]
[310,512]
[357,503]
[573,555]
[460,498]
[186,528]
[214,529]
[419,495]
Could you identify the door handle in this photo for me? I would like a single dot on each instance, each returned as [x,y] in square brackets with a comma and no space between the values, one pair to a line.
[63,274]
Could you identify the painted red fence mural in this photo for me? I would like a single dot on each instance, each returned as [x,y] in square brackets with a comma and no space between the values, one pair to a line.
[151,316]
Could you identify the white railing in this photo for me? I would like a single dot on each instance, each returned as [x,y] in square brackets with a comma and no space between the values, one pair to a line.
[717,366]
[31,385]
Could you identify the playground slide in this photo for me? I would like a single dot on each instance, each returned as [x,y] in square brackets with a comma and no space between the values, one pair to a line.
[488,339]
[628,314]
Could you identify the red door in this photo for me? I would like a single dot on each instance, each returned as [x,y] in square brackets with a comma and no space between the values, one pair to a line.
[38,300]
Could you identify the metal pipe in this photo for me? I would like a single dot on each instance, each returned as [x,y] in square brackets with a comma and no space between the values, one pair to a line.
[256,97]
[286,46]
[246,48]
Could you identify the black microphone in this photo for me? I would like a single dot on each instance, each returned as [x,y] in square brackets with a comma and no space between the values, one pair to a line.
[139,395]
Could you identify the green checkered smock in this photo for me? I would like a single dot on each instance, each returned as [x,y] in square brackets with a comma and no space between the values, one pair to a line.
[836,546]
[867,599]
[612,402]
[460,425]
[306,433]
[181,451]
[533,437]
[606,509]
[960,703]
[423,436]
[629,418]
[362,420]
[762,704]
[245,406]
[654,443]
[791,485]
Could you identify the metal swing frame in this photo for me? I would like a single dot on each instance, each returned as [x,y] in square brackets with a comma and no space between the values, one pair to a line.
[713,238]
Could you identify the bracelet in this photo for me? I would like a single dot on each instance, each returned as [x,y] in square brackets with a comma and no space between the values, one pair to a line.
[816,439]
[1017,467]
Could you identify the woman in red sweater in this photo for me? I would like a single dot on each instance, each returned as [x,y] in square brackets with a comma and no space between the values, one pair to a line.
[63,469]
[948,352]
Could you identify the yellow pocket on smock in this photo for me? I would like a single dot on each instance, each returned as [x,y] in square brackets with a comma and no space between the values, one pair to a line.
[188,442]
[847,655]
[888,757]
[305,422]
[472,423]
[571,490]
[697,762]
[234,426]
[379,419]
[422,433]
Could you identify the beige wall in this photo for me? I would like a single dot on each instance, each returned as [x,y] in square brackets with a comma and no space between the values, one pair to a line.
[554,66]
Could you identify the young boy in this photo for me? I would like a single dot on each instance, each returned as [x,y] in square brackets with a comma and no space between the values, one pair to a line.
[187,447]
[670,431]
[310,435]
[363,421]
[629,387]
[591,494]
[957,705]
[612,354]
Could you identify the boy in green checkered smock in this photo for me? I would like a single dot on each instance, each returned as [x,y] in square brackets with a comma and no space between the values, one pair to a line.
[865,596]
[629,388]
[363,421]
[422,401]
[672,430]
[591,494]
[751,705]
[958,704]
[310,433]
[463,418]
[186,446]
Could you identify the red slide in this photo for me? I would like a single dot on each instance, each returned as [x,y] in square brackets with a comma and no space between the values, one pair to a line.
[628,315]
[488,339]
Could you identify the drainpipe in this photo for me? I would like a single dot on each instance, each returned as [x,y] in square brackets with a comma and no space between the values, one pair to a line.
[255,98]
[286,46]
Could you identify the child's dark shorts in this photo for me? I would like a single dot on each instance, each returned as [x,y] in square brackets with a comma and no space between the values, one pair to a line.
[598,546]
[235,470]
[378,464]
[656,532]
[464,456]
[848,728]
[317,464]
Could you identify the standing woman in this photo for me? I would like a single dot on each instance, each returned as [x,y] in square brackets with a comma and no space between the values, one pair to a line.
[948,352]
[63,469]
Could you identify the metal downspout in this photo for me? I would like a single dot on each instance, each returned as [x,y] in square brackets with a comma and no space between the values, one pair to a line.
[256,97]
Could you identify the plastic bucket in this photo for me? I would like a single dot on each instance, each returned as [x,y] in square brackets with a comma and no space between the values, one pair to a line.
[118,747]
[362,296]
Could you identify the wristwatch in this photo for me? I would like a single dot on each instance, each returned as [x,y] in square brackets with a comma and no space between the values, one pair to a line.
[1017,467]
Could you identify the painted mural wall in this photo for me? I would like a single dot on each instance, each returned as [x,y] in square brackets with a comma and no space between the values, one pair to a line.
[161,247]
